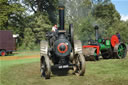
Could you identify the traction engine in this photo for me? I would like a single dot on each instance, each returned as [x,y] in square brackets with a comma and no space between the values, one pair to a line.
[61,51]
[107,48]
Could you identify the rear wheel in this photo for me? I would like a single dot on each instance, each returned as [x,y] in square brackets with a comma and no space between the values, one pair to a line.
[71,32]
[2,52]
[107,54]
[120,51]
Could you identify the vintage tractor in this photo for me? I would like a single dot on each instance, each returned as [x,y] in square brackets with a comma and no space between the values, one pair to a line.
[61,51]
[107,48]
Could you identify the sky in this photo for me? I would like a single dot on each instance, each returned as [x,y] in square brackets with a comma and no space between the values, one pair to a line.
[122,8]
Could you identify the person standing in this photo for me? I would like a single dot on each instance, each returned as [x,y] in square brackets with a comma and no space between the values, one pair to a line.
[54,28]
[118,35]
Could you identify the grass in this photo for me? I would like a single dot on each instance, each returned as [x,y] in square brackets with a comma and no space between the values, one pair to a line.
[27,72]
[22,53]
[6,64]
[26,52]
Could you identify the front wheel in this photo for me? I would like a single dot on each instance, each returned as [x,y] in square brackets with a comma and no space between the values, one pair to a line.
[2,52]
[45,67]
[79,68]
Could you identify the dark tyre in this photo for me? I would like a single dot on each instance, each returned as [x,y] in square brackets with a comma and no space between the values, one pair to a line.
[45,67]
[96,58]
[2,52]
[107,54]
[79,69]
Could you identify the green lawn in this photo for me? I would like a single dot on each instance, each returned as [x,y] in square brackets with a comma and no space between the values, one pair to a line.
[27,72]
[26,52]
[21,53]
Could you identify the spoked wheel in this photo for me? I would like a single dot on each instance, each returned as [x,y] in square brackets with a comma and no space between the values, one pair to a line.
[120,51]
[2,52]
[45,68]
[79,69]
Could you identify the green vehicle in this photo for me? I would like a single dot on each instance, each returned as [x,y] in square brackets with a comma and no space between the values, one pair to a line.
[107,48]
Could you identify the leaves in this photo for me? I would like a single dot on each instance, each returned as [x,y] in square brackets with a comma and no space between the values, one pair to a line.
[29,39]
[40,25]
[31,19]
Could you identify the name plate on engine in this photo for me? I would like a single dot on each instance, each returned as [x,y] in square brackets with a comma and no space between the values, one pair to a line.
[64,66]
[61,31]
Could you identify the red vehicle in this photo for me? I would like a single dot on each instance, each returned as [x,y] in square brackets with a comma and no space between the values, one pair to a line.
[7,42]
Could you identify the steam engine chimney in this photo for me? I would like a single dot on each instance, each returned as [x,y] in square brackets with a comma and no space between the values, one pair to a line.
[96,32]
[61,17]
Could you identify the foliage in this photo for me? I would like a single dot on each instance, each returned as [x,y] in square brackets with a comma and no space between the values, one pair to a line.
[120,27]
[38,16]
[109,22]
[40,24]
[86,29]
[29,39]
[106,12]
[3,13]
[8,12]
[47,6]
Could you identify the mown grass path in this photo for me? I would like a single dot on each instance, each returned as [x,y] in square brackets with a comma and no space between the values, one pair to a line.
[17,57]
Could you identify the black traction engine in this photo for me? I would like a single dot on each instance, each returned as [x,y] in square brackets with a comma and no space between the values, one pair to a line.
[61,51]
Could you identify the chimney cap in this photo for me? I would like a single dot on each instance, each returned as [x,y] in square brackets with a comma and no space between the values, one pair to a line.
[96,27]
[61,7]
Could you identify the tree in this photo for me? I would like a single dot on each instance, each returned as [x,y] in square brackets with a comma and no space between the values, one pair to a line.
[107,12]
[8,11]
[101,1]
[106,15]
[29,39]
[120,27]
[40,24]
[45,6]
[4,12]
[86,29]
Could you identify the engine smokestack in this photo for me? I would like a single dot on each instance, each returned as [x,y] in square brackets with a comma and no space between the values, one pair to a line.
[61,17]
[96,32]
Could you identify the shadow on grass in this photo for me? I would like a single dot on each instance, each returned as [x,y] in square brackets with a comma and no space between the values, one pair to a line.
[60,72]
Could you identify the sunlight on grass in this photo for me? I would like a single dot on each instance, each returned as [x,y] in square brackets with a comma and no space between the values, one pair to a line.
[27,52]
